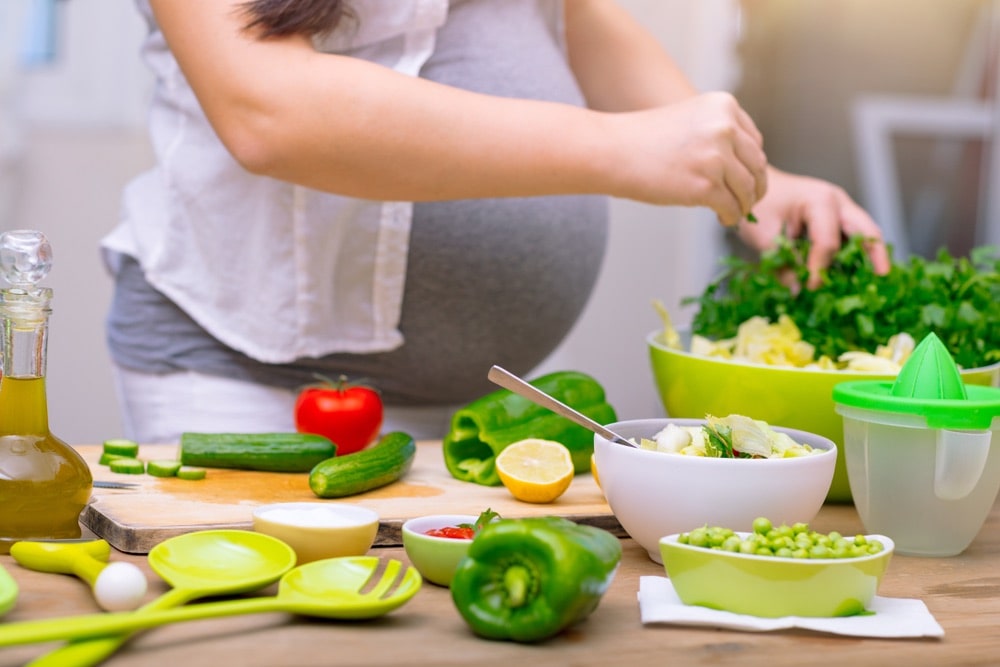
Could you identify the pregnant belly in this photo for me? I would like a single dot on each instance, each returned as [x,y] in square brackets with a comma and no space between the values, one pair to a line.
[495,282]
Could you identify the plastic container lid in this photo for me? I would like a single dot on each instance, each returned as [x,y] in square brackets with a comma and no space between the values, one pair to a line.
[928,385]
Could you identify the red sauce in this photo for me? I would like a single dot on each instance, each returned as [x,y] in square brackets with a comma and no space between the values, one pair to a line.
[454,532]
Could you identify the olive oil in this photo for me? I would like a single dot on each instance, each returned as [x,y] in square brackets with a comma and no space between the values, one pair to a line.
[44,483]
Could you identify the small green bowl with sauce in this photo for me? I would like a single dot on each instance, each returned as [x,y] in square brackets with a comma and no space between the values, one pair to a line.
[436,558]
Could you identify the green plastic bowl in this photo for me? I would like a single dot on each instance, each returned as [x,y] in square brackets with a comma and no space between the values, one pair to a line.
[693,386]
[773,587]
[436,558]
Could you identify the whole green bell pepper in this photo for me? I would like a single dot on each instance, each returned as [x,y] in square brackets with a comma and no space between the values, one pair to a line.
[528,579]
[482,429]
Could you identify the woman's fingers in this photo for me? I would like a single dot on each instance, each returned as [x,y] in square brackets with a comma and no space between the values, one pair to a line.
[824,213]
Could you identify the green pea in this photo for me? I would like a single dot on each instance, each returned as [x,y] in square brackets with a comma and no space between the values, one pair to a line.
[784,541]
[732,543]
[698,538]
[819,551]
[761,525]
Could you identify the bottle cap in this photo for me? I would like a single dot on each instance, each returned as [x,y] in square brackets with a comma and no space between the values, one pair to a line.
[25,258]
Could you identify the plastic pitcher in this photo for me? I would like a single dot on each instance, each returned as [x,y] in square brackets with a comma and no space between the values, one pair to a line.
[922,453]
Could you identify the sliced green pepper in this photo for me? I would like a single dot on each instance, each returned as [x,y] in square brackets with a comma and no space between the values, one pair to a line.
[528,579]
[482,429]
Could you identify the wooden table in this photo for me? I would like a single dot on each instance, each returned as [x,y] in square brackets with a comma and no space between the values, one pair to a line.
[962,592]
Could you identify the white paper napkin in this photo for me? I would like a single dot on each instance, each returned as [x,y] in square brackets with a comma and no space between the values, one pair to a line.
[892,617]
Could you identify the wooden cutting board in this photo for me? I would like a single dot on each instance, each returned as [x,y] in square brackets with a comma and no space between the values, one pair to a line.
[135,520]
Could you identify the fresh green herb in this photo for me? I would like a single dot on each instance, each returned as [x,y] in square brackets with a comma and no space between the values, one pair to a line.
[855,309]
[719,444]
[484,518]
[751,217]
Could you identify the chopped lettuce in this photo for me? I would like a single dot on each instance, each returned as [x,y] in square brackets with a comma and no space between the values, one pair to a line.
[735,436]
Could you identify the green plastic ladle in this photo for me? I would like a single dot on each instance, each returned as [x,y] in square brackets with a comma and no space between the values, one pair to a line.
[350,587]
[199,564]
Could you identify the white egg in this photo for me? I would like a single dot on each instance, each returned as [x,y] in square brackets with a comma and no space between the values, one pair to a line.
[120,587]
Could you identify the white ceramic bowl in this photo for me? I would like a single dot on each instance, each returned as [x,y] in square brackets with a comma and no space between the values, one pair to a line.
[319,530]
[654,494]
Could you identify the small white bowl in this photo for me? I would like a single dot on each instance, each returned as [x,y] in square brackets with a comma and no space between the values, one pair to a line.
[653,494]
[319,530]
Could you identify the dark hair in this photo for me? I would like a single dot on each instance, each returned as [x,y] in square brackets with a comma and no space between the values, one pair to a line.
[280,18]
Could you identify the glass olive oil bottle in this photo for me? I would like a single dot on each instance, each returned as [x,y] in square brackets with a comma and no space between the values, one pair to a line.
[44,483]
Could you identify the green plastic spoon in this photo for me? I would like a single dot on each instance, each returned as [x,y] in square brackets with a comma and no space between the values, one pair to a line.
[118,586]
[8,591]
[351,587]
[200,564]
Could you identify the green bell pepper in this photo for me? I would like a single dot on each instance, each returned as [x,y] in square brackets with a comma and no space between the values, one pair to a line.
[482,429]
[528,579]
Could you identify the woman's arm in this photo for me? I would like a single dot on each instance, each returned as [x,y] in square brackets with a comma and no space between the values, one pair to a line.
[344,125]
[621,66]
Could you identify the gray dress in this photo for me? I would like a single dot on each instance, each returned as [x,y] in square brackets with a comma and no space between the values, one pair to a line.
[489,281]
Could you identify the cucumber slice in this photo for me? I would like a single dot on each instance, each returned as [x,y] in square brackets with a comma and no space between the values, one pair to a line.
[163,467]
[190,472]
[106,458]
[121,447]
[129,466]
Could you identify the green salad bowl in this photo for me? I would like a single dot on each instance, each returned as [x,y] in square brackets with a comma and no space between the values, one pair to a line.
[772,587]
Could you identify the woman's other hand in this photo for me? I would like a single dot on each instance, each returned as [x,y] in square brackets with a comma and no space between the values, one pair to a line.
[818,210]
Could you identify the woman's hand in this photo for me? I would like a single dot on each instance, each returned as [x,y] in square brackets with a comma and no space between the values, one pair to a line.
[823,212]
[701,151]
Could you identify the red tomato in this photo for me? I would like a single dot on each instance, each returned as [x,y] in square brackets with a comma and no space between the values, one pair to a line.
[349,415]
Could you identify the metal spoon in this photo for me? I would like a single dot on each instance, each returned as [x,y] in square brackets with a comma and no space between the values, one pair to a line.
[508,380]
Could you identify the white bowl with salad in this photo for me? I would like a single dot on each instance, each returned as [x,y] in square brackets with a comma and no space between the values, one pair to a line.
[723,471]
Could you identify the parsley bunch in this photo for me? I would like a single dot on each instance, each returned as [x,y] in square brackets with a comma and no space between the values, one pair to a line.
[856,310]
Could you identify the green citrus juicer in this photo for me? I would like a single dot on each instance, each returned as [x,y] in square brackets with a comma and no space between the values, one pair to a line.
[921,456]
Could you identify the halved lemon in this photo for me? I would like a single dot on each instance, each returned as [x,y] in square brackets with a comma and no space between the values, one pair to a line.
[535,470]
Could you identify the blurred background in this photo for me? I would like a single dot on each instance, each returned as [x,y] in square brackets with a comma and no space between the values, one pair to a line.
[892,100]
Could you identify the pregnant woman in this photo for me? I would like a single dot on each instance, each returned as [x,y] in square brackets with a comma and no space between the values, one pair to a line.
[407,191]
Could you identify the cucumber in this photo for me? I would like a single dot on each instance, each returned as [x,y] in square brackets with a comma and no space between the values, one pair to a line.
[189,472]
[127,465]
[107,458]
[163,467]
[272,452]
[383,463]
[121,447]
